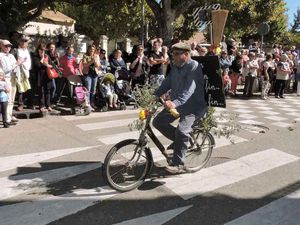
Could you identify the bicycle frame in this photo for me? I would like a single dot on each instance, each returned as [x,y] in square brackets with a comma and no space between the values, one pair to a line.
[149,131]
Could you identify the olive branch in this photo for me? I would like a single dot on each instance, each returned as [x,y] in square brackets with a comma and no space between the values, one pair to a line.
[220,124]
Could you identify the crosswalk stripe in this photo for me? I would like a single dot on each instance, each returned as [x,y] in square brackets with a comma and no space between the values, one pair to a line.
[20,184]
[102,115]
[52,208]
[103,125]
[12,162]
[115,138]
[221,175]
[157,218]
[285,210]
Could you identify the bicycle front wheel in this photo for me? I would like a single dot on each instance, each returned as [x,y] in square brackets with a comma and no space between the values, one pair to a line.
[199,152]
[126,165]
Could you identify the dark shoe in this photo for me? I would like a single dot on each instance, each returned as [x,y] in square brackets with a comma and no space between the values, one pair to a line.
[6,125]
[11,123]
[175,169]
[281,96]
[276,96]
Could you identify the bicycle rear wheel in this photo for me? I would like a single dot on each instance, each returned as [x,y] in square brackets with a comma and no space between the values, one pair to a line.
[126,165]
[199,152]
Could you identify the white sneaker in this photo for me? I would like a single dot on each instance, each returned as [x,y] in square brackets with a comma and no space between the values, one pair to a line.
[176,169]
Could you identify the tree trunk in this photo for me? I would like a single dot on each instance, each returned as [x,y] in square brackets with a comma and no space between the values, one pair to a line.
[165,26]
[166,15]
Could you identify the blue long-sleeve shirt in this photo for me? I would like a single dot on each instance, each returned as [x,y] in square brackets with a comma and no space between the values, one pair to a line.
[187,88]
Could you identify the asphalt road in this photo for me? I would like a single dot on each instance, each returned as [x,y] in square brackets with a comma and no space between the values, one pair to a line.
[50,172]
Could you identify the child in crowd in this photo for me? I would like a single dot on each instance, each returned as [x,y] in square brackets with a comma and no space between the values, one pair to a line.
[4,89]
[109,92]
[227,83]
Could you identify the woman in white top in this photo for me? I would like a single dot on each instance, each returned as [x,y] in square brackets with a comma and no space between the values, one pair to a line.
[283,72]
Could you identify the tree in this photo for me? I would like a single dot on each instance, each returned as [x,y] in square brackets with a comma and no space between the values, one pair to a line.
[296,26]
[166,12]
[16,13]
[114,18]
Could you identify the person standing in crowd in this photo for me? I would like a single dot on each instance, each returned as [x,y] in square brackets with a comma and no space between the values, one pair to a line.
[202,51]
[40,63]
[235,69]
[4,90]
[267,75]
[139,67]
[117,62]
[89,63]
[165,66]
[24,56]
[103,61]
[69,68]
[252,67]
[8,64]
[225,62]
[53,56]
[62,45]
[283,72]
[194,51]
[156,60]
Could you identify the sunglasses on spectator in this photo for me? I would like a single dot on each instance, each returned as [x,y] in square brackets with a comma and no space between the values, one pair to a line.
[140,49]
[7,46]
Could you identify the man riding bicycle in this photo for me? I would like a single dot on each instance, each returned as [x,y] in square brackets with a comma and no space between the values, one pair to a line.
[185,82]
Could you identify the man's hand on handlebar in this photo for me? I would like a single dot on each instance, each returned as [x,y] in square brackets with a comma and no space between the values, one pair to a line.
[169,105]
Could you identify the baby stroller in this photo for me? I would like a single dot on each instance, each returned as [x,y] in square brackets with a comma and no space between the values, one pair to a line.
[82,106]
[123,86]
[103,101]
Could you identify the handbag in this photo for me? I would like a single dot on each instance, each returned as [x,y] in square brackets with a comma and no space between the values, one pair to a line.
[52,73]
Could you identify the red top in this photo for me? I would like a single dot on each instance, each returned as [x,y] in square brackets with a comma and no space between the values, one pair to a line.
[69,66]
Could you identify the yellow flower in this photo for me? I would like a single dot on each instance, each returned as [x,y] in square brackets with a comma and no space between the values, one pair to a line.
[143,114]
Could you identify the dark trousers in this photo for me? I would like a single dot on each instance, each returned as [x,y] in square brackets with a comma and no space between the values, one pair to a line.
[20,99]
[249,80]
[179,135]
[140,81]
[63,85]
[3,107]
[31,93]
[279,87]
[45,94]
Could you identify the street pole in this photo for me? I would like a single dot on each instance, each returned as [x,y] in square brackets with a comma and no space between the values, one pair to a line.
[142,23]
[262,42]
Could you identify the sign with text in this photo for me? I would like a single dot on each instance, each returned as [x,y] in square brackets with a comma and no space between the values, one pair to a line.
[213,82]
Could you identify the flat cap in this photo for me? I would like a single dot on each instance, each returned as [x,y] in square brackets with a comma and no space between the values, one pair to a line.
[181,46]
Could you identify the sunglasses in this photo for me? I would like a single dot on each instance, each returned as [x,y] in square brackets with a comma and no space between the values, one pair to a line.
[7,46]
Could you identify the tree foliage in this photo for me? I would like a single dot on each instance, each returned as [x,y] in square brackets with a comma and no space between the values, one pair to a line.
[14,14]
[167,18]
[113,18]
[296,25]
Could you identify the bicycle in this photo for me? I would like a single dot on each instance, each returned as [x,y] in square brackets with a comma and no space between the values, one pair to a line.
[128,163]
